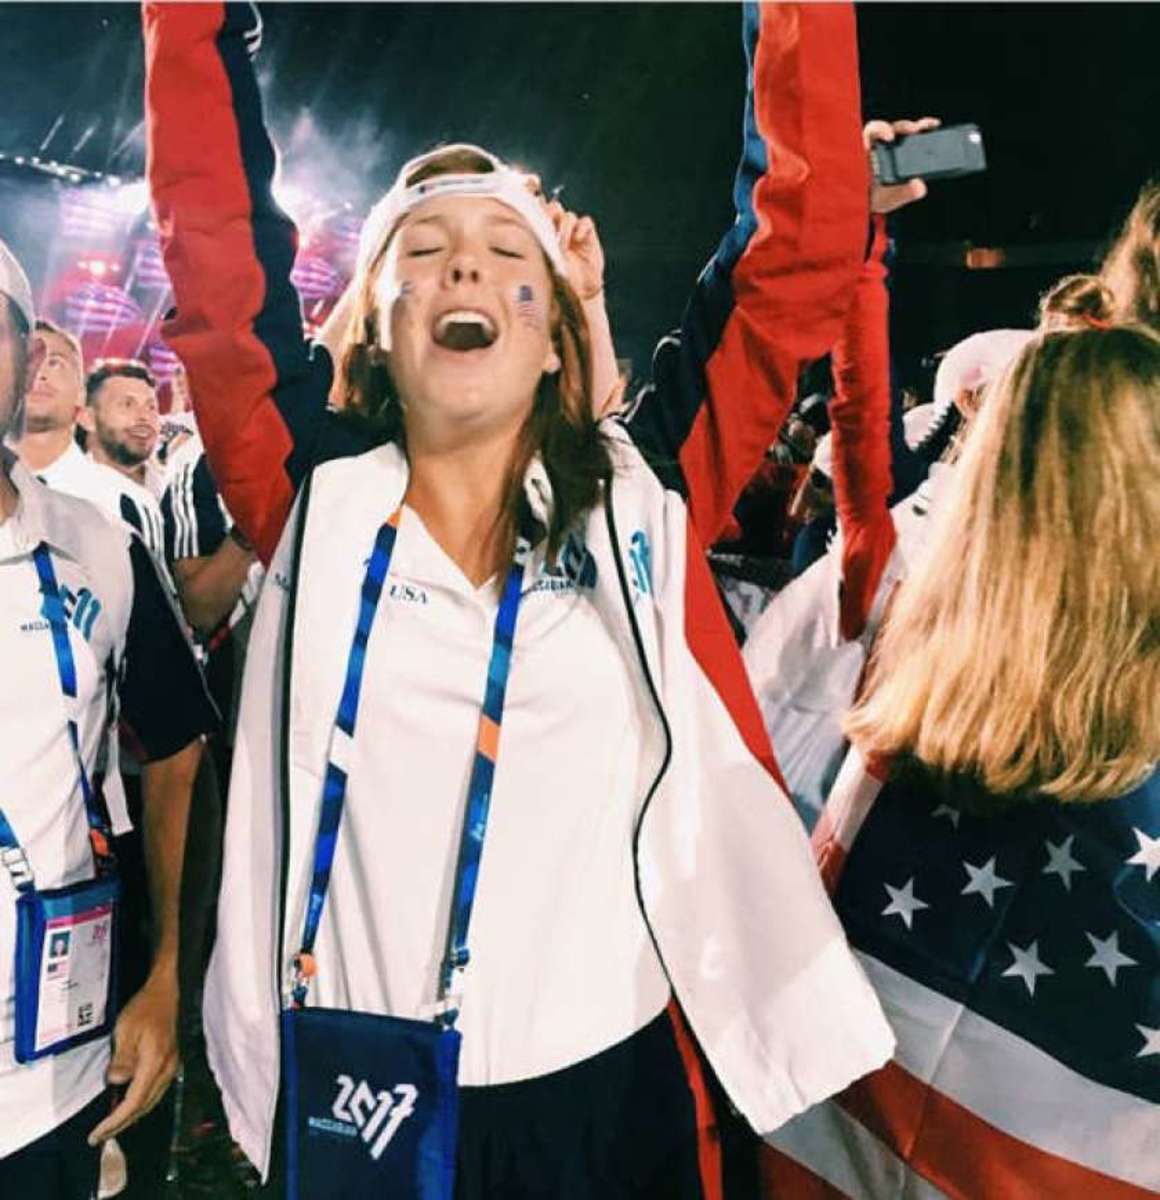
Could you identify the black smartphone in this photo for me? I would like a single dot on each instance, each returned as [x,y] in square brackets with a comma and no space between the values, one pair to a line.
[936,154]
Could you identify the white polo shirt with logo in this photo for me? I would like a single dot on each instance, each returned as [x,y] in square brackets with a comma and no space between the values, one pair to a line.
[562,965]
[117,610]
[115,494]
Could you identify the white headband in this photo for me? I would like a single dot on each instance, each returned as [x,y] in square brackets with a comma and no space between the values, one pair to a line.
[502,183]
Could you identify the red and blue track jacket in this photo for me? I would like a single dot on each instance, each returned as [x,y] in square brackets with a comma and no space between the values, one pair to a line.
[725,877]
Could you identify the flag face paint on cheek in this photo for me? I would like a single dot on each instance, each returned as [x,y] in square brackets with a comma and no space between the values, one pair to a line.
[529,310]
[389,294]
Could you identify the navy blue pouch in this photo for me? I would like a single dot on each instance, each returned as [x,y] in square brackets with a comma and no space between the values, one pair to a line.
[65,967]
[371,1106]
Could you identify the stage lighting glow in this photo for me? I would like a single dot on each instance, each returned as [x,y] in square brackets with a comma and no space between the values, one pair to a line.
[296,201]
[131,198]
[99,267]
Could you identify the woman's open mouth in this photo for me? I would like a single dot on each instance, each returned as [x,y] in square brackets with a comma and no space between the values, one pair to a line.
[464,329]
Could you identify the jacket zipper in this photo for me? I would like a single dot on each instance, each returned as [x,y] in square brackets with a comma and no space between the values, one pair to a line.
[284,768]
[638,641]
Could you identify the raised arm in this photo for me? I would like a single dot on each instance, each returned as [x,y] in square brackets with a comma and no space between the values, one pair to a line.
[860,409]
[860,420]
[774,294]
[258,395]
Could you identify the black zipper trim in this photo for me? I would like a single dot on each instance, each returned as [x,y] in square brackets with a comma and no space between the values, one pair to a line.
[656,699]
[284,737]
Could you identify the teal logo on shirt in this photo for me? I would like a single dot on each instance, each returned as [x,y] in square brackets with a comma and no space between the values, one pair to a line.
[577,563]
[80,608]
[640,556]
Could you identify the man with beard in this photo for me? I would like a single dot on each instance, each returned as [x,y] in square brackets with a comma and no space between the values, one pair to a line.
[86,631]
[122,421]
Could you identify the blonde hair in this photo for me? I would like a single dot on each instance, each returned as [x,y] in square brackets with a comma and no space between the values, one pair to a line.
[561,427]
[1023,656]
[1076,301]
[1132,266]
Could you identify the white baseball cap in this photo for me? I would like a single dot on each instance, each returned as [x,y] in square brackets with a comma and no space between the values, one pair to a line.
[14,284]
[503,183]
[975,361]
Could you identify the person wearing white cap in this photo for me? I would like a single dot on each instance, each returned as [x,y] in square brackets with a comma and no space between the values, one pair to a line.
[647,920]
[86,633]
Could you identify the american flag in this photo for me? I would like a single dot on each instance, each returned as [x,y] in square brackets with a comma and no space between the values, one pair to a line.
[100,308]
[1017,956]
[526,307]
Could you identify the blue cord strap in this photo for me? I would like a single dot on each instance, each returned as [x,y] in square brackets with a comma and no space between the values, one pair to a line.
[12,855]
[479,788]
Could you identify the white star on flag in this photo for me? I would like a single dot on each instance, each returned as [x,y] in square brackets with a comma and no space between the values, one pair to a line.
[1027,965]
[952,814]
[984,882]
[1148,856]
[1061,863]
[903,902]
[1108,955]
[1151,1041]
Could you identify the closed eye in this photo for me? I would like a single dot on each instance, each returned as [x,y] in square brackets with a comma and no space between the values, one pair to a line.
[423,251]
[504,252]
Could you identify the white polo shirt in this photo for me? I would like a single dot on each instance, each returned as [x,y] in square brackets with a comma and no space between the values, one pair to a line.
[562,965]
[116,495]
[117,610]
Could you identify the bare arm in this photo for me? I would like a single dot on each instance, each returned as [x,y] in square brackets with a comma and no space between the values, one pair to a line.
[145,1051]
[209,586]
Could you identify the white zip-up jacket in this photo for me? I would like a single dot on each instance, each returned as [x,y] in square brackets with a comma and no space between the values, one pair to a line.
[726,881]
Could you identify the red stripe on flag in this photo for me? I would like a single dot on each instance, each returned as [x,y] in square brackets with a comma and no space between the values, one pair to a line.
[785,1177]
[714,647]
[708,1134]
[831,858]
[962,1154]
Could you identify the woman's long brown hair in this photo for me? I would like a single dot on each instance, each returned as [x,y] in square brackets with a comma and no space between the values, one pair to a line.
[560,427]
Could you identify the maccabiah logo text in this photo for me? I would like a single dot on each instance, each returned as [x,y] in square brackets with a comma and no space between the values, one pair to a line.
[360,1111]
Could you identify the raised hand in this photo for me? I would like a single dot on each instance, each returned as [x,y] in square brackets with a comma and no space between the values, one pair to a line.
[887,198]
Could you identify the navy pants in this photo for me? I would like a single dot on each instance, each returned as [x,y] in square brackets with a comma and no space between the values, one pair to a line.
[642,1120]
[59,1166]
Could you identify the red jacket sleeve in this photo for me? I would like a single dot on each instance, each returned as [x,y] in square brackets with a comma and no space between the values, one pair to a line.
[860,419]
[258,394]
[775,292]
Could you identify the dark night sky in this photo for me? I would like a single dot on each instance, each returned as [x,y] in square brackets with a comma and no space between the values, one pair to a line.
[635,108]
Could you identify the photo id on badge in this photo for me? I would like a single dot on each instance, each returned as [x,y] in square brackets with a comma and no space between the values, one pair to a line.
[64,967]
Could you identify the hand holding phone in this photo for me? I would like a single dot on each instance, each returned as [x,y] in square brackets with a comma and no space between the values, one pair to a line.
[929,154]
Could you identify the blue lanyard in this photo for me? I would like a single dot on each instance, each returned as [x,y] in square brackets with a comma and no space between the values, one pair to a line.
[100,834]
[478,790]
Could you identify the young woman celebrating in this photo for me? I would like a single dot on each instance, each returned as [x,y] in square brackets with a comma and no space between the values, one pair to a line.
[993,837]
[498,772]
